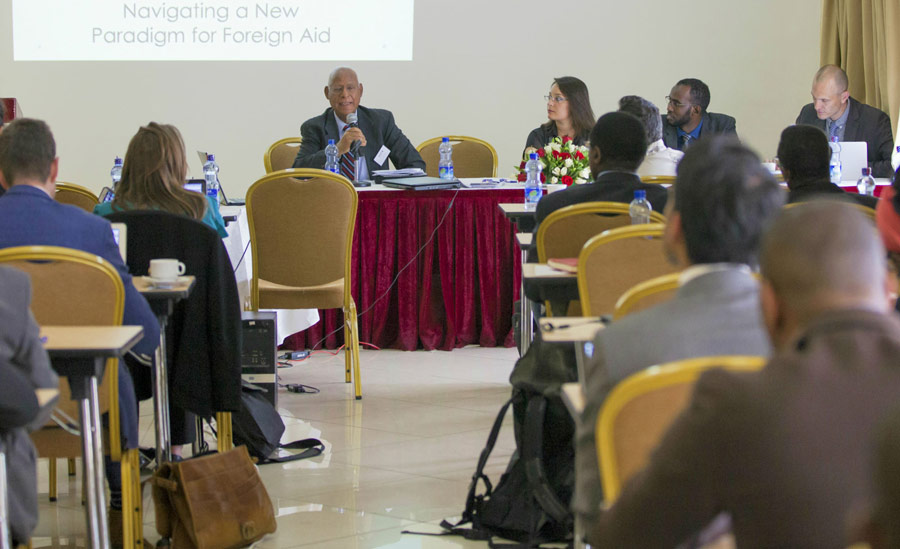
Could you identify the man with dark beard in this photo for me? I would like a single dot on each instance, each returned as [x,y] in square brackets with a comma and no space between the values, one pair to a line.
[686,117]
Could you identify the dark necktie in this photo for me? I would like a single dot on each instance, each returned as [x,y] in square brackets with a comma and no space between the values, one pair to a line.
[686,141]
[348,162]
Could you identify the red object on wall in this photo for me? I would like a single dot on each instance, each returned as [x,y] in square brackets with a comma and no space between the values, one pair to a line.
[11,109]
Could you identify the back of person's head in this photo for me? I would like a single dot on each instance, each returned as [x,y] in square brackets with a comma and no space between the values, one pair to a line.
[646,112]
[699,92]
[621,140]
[804,152]
[580,111]
[27,151]
[2,114]
[724,197]
[884,530]
[823,255]
[154,172]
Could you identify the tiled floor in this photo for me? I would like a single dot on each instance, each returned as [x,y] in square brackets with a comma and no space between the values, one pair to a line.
[399,459]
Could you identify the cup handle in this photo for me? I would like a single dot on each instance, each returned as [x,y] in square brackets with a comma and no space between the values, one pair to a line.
[180,268]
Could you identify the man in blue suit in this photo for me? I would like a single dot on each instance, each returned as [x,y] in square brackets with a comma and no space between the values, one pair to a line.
[29,216]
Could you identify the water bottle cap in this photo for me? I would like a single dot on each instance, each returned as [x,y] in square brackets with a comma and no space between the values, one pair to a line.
[211,157]
[834,139]
[532,156]
[866,171]
[445,140]
[643,194]
[118,161]
[331,141]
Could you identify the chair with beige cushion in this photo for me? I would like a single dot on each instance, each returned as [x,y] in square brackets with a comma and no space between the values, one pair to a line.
[281,154]
[614,261]
[646,294]
[75,288]
[304,262]
[640,409]
[472,157]
[76,195]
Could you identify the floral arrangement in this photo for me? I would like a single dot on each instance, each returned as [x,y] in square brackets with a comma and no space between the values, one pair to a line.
[564,162]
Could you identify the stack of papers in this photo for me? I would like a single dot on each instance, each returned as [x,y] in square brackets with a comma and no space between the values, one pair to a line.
[405,172]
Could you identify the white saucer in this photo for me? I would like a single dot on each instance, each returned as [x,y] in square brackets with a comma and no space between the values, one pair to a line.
[162,283]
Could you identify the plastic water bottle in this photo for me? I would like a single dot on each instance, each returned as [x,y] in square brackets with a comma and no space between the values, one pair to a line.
[211,174]
[445,166]
[533,190]
[116,172]
[866,183]
[331,157]
[835,163]
[640,208]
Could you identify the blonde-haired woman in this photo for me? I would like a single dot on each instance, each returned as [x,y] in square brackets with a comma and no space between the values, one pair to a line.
[153,177]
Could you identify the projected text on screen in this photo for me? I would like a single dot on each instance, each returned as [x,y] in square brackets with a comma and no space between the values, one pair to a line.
[215,30]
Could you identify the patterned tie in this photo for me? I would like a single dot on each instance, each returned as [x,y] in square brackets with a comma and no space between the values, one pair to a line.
[348,162]
[834,132]
[686,141]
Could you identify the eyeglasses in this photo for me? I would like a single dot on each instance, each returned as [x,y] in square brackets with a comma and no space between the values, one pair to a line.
[675,103]
[340,90]
[557,98]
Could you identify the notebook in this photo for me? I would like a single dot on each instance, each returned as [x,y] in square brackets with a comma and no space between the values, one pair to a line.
[421,183]
[854,157]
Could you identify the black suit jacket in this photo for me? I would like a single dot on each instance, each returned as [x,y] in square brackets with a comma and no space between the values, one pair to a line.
[864,123]
[786,450]
[376,124]
[713,123]
[608,187]
[803,191]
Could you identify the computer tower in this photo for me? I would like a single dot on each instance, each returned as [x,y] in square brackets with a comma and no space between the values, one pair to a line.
[259,364]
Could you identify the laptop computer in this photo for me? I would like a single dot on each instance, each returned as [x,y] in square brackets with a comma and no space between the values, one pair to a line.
[423,183]
[196,185]
[120,234]
[854,157]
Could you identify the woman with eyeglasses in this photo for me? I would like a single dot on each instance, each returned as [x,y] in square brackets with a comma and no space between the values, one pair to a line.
[569,114]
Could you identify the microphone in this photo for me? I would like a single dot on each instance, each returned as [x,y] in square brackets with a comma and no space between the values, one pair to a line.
[352,121]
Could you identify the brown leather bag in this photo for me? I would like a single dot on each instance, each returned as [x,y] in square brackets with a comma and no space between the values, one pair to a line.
[217,501]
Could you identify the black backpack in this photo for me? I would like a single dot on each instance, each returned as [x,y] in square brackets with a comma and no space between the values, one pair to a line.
[530,503]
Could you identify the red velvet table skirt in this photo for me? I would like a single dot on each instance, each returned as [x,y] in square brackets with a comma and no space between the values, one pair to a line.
[458,290]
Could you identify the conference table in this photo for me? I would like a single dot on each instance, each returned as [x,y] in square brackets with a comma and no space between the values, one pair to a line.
[79,353]
[430,269]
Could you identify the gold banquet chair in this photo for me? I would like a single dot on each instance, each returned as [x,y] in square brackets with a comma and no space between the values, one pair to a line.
[76,195]
[75,288]
[659,179]
[646,294]
[614,261]
[305,263]
[281,154]
[472,157]
[566,230]
[640,409]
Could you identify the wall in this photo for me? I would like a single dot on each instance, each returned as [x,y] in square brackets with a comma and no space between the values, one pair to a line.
[479,68]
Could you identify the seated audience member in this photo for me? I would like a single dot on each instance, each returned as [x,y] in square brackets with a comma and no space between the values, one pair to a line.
[569,114]
[153,176]
[30,216]
[618,144]
[660,160]
[379,137]
[686,117]
[840,116]
[720,184]
[887,216]
[24,368]
[805,157]
[881,529]
[2,118]
[784,451]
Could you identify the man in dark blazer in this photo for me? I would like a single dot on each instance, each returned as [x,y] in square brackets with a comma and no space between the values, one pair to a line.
[837,114]
[716,308]
[804,157]
[785,450]
[618,146]
[686,117]
[22,355]
[29,216]
[378,136]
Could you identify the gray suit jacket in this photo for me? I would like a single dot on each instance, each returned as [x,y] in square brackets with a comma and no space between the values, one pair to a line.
[713,123]
[716,313]
[21,351]
[864,123]
[376,124]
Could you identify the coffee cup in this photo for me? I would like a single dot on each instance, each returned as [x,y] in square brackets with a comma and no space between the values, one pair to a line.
[166,270]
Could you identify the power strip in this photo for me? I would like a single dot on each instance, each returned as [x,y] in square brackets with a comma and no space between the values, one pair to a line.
[293,355]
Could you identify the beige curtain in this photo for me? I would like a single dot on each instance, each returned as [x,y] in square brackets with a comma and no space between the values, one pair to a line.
[861,37]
